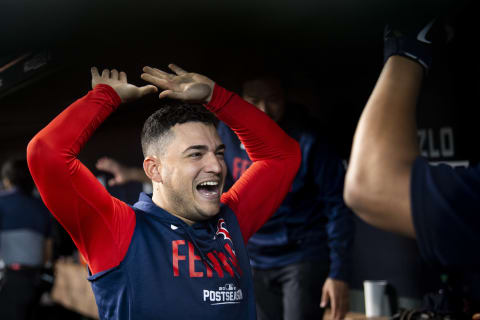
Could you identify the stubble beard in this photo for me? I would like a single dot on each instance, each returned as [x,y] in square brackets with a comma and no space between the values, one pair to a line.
[184,207]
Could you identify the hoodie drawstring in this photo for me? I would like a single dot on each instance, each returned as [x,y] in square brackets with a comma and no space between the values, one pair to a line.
[195,244]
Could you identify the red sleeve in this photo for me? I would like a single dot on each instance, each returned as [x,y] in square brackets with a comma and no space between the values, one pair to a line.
[276,159]
[101,226]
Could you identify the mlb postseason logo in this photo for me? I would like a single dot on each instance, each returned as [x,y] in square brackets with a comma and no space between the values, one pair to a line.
[224,295]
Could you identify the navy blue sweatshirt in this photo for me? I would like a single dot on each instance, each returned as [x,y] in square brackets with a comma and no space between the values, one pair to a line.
[183,272]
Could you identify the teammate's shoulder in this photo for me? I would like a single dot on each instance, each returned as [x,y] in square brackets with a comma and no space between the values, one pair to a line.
[222,126]
[223,129]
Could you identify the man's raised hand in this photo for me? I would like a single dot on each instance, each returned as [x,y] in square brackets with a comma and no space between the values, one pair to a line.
[121,174]
[118,81]
[182,85]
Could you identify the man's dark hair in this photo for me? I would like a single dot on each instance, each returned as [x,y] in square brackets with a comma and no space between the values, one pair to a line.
[159,123]
[17,173]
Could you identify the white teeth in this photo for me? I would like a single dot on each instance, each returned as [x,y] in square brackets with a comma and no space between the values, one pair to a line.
[209,183]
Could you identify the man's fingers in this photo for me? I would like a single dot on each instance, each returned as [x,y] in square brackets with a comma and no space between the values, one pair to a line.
[346,304]
[157,73]
[162,83]
[106,164]
[123,77]
[94,72]
[171,94]
[179,71]
[344,300]
[106,73]
[148,89]
[343,310]
[100,164]
[324,300]
[114,74]
[340,308]
[334,308]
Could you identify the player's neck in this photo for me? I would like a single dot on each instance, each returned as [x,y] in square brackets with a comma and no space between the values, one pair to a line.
[167,205]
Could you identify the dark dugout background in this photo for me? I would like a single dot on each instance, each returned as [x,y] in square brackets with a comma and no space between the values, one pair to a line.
[329,52]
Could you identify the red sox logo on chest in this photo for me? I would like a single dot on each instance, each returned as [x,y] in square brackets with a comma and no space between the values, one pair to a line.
[222,230]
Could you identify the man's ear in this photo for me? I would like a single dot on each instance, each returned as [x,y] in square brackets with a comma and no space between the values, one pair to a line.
[152,167]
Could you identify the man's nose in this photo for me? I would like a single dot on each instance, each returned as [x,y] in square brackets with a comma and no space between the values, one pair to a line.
[213,163]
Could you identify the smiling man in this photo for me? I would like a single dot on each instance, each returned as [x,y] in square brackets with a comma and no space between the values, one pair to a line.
[191,172]
[180,252]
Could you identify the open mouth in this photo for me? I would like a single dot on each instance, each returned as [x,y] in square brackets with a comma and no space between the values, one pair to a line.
[209,189]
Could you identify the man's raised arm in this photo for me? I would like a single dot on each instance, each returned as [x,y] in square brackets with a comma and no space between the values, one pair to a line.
[276,156]
[377,185]
[100,226]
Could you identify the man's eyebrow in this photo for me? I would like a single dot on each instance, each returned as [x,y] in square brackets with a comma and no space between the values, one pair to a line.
[196,147]
[201,147]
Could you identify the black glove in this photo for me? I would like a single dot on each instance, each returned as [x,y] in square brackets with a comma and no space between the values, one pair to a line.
[417,46]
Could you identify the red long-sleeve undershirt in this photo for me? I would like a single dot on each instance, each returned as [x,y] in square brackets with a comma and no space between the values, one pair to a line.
[102,226]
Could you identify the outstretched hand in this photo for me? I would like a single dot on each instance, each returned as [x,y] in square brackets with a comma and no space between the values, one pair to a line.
[182,85]
[121,174]
[118,81]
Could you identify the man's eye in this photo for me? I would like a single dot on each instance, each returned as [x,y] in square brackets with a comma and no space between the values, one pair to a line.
[195,155]
[221,154]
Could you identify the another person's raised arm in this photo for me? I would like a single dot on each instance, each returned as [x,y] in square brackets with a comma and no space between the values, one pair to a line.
[377,184]
[390,186]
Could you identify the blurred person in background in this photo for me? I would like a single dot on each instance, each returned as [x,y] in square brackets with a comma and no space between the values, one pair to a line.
[25,242]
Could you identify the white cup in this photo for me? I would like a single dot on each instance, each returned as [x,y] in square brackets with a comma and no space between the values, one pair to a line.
[376,301]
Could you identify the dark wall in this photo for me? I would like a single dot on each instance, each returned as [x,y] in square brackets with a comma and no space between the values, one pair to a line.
[323,82]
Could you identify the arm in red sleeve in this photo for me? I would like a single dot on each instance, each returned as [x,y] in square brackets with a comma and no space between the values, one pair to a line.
[100,225]
[276,159]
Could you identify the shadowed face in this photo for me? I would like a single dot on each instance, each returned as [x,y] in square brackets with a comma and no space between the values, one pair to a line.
[6,184]
[193,171]
[267,95]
